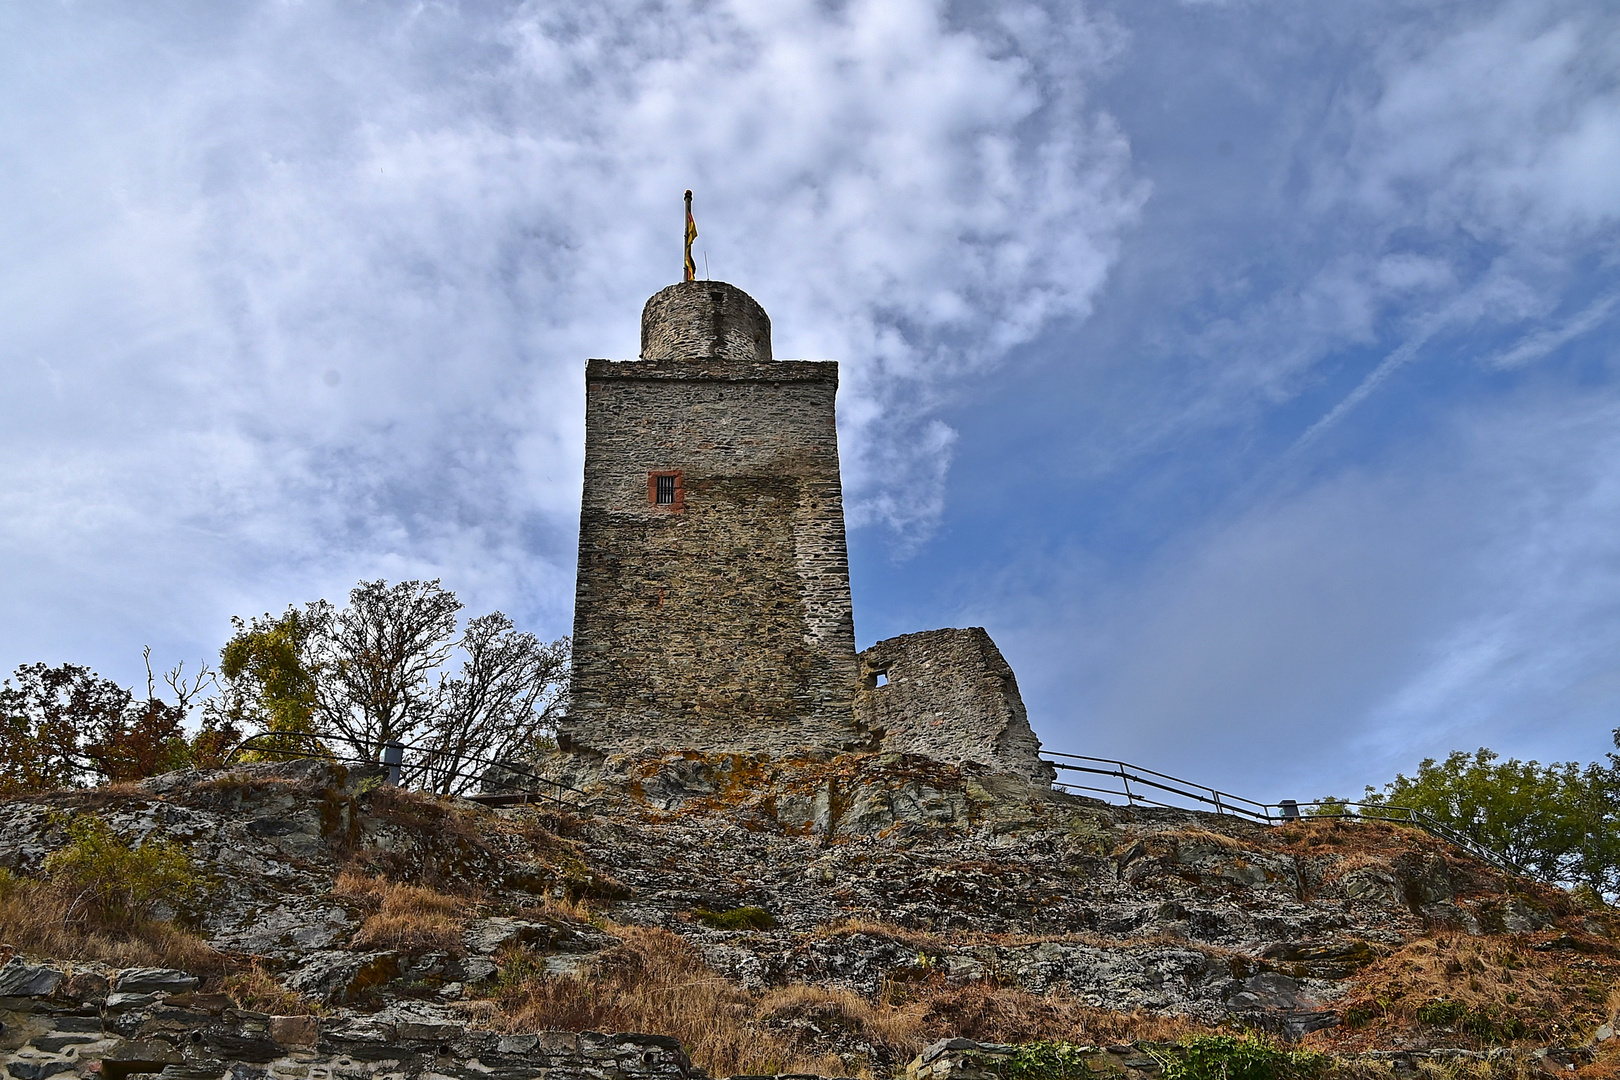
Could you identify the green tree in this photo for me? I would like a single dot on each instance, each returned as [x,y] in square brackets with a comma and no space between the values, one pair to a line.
[1561,821]
[269,681]
[320,679]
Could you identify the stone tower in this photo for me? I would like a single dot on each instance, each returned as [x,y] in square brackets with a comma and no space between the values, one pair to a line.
[712,609]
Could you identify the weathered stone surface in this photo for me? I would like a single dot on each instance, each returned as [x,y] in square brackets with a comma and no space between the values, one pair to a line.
[399,1042]
[879,871]
[723,620]
[19,979]
[704,320]
[153,980]
[335,976]
[949,695]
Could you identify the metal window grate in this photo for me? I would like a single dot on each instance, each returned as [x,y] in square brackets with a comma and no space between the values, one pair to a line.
[665,490]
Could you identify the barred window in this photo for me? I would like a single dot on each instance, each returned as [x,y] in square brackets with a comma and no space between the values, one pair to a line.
[664,490]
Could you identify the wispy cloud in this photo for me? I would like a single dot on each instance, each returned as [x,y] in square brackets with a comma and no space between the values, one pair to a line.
[310,298]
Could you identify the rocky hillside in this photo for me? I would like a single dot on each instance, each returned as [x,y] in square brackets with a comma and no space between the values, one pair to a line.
[828,916]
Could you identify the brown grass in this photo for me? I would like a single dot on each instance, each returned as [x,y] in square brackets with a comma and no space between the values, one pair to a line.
[557,907]
[655,981]
[82,798]
[1220,840]
[990,1013]
[33,919]
[921,940]
[1523,994]
[257,989]
[406,917]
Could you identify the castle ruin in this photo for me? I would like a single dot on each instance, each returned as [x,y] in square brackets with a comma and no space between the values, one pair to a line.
[712,605]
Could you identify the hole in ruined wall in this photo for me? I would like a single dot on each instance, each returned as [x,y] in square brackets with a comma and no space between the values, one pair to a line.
[881,679]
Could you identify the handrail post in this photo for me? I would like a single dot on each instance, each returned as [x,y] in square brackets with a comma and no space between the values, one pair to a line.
[394,761]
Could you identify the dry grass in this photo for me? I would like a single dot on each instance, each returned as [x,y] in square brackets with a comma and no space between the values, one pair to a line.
[921,940]
[557,907]
[991,1013]
[92,798]
[1501,990]
[655,981]
[1196,835]
[34,919]
[899,1028]
[257,989]
[406,917]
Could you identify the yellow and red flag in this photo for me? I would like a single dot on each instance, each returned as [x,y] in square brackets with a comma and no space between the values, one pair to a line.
[691,235]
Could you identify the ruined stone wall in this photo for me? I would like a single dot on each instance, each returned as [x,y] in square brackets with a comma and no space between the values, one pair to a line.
[151,1022]
[721,621]
[951,696]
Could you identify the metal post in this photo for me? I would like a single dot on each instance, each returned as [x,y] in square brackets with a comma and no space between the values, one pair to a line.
[394,759]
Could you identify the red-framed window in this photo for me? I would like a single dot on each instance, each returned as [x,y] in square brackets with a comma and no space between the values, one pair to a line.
[665,491]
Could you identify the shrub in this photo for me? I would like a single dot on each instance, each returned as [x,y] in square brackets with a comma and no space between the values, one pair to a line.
[256,989]
[1047,1061]
[112,882]
[34,917]
[742,918]
[652,981]
[1228,1057]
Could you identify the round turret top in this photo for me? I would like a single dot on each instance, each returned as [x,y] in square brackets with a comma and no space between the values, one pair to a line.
[704,320]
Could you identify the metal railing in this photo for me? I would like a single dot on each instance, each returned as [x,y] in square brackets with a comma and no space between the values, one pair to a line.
[1153,788]
[401,774]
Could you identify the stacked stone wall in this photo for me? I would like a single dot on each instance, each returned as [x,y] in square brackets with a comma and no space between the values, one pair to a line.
[722,622]
[949,695]
[150,1022]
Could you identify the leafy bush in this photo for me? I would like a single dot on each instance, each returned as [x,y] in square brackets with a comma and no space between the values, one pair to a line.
[1560,820]
[1228,1057]
[1047,1061]
[111,881]
[742,918]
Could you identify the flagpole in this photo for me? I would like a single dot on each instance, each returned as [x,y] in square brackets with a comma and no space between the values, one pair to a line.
[689,268]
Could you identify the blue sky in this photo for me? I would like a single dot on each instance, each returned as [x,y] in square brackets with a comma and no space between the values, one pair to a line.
[1247,369]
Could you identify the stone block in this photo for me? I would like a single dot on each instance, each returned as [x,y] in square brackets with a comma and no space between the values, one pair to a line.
[20,979]
[154,980]
[295,1030]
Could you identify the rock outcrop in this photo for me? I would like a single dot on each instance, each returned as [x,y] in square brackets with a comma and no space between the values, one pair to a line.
[887,878]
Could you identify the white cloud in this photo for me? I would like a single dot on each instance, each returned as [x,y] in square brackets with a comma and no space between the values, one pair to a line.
[303,292]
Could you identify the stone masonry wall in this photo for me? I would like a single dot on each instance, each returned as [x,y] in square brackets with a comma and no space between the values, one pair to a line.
[150,1022]
[950,696]
[722,622]
[704,319]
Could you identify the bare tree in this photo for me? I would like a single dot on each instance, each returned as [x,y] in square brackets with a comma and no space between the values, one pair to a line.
[510,692]
[372,661]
